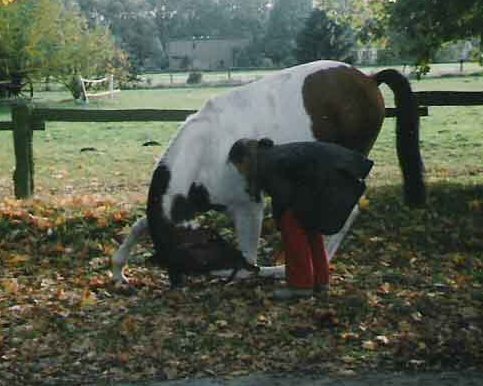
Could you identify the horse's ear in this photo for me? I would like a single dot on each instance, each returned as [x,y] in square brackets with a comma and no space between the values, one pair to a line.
[265,143]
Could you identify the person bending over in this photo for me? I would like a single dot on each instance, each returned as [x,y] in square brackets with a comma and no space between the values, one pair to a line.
[313,186]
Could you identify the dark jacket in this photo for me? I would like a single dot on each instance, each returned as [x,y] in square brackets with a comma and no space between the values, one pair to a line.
[320,182]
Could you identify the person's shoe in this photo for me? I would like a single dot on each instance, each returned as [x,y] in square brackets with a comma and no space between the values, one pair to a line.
[292,293]
[321,291]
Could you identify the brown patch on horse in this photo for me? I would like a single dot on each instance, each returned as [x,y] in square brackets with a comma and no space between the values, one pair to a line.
[346,107]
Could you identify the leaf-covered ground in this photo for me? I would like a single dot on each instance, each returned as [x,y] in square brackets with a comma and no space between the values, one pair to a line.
[406,294]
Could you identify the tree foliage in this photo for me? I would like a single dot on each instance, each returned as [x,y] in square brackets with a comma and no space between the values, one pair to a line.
[144,27]
[133,25]
[413,29]
[418,28]
[46,39]
[324,38]
[285,21]
[367,18]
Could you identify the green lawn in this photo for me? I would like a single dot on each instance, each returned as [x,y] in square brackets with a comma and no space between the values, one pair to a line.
[179,78]
[451,142]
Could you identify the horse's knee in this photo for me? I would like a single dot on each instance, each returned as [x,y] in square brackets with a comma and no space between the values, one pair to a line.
[120,258]
[140,227]
[118,262]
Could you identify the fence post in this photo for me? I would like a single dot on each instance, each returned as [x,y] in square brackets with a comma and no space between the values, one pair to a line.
[23,175]
[111,85]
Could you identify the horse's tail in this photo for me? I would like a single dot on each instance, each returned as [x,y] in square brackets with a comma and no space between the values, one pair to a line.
[161,230]
[407,135]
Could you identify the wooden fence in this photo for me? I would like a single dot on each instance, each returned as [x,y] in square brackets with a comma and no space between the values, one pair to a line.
[26,119]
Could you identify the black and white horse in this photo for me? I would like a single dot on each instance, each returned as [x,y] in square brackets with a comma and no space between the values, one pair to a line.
[319,101]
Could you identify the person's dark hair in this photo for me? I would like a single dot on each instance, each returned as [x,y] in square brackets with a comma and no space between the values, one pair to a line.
[238,151]
[265,143]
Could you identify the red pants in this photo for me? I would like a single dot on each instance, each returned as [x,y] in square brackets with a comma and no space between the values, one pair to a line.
[306,260]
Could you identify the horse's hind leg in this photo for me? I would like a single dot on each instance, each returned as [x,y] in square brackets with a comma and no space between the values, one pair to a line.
[333,242]
[119,260]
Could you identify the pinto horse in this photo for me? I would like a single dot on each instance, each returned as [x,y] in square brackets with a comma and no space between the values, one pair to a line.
[319,101]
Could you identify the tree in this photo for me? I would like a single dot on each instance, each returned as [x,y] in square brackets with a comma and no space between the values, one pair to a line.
[413,32]
[366,17]
[324,38]
[144,28]
[44,38]
[286,19]
[183,19]
[133,25]
[418,28]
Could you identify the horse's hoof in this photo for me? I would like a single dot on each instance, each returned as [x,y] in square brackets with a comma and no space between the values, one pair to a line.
[241,274]
[244,274]
[118,276]
[125,289]
[276,272]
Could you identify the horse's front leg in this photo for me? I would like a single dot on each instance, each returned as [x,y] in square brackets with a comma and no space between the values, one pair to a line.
[248,226]
[119,260]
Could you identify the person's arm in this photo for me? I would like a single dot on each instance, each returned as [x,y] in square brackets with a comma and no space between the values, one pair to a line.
[280,190]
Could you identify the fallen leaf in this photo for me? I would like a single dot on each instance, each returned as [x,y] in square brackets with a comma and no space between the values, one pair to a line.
[17,259]
[11,285]
[382,340]
[363,203]
[349,336]
[369,345]
[88,298]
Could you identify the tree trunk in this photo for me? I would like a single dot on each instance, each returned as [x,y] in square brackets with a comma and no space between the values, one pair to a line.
[481,49]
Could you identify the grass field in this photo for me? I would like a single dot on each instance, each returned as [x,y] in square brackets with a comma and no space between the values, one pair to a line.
[216,77]
[452,142]
[406,285]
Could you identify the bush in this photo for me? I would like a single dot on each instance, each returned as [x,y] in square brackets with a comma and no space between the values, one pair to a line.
[194,78]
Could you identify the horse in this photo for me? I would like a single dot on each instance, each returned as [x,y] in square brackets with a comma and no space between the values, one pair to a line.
[319,101]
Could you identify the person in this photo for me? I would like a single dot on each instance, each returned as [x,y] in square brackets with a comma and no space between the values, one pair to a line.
[313,187]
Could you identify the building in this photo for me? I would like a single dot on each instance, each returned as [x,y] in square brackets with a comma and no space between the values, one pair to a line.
[204,53]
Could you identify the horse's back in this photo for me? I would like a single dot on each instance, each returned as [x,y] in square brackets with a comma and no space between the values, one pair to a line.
[324,100]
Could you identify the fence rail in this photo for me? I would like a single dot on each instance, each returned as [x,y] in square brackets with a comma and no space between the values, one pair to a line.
[449,98]
[143,115]
[26,119]
[9,126]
